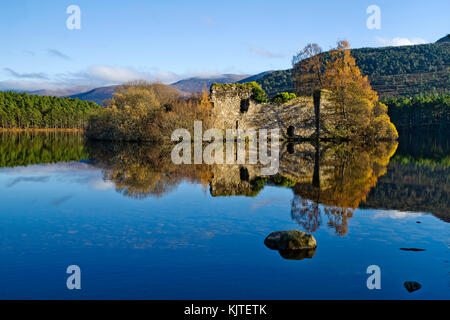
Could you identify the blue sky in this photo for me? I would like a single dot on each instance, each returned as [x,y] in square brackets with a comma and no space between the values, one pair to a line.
[172,39]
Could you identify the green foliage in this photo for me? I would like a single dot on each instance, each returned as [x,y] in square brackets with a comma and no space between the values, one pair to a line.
[20,110]
[402,60]
[23,149]
[392,71]
[418,176]
[259,95]
[284,97]
[277,81]
[420,112]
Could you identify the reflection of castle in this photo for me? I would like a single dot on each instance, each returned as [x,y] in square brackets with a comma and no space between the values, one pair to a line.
[330,181]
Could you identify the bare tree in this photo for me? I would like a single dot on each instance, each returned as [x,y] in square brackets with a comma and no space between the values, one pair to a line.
[307,70]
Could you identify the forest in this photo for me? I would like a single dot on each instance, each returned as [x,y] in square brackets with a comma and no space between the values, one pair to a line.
[21,110]
[426,112]
[418,176]
[29,148]
[392,71]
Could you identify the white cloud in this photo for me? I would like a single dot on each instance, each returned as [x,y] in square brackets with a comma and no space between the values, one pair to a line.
[400,41]
[92,77]
[122,74]
[101,185]
[29,85]
[397,215]
[85,174]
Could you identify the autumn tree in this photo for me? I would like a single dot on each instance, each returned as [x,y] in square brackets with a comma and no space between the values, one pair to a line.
[353,110]
[307,70]
[205,102]
[141,111]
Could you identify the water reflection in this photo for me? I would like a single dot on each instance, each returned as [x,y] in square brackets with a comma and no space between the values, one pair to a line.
[418,176]
[328,181]
[343,176]
[338,177]
[40,148]
[145,170]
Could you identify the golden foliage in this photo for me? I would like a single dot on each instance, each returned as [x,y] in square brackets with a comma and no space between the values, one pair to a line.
[353,111]
[347,174]
[307,72]
[205,101]
[140,111]
[145,170]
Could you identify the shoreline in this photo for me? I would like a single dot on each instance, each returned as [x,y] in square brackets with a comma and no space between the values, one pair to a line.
[40,130]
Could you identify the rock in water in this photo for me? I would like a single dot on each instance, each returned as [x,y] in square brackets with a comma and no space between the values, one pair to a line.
[297,254]
[290,240]
[412,286]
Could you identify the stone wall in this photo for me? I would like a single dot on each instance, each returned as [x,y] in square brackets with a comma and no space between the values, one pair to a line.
[234,108]
[298,163]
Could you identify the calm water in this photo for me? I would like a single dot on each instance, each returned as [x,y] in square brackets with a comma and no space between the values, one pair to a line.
[142,228]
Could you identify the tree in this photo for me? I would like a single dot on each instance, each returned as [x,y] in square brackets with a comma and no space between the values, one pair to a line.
[141,111]
[205,101]
[20,110]
[353,111]
[307,70]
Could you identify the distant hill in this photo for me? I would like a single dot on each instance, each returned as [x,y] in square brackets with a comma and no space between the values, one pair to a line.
[97,95]
[188,86]
[255,77]
[393,71]
[196,84]
[58,92]
[444,39]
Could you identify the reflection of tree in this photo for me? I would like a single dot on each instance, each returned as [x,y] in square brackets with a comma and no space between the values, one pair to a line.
[346,174]
[306,213]
[143,170]
[29,148]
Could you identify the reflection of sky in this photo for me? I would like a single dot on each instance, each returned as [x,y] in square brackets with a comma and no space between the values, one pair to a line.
[188,244]
[72,172]
[393,214]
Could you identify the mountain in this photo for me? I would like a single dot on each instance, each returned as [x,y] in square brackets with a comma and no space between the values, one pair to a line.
[57,92]
[444,39]
[190,85]
[393,71]
[97,95]
[196,84]
[255,77]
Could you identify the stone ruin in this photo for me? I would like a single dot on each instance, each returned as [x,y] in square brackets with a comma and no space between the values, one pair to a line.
[234,108]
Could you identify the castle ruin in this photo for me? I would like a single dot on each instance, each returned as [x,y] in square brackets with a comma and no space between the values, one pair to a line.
[235,108]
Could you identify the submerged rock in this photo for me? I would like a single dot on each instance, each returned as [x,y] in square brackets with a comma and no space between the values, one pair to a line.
[290,240]
[412,286]
[297,254]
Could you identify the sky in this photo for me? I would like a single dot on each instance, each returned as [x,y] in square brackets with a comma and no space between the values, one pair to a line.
[119,41]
